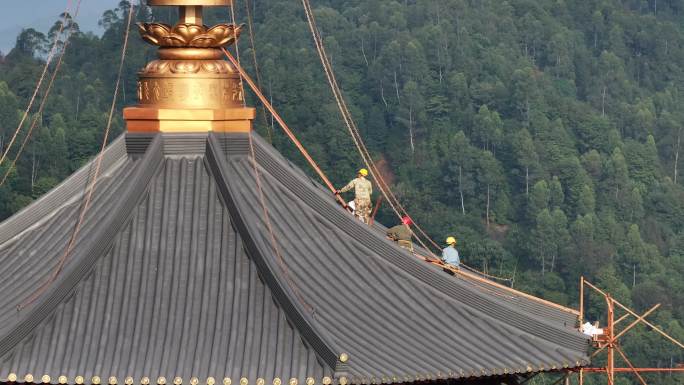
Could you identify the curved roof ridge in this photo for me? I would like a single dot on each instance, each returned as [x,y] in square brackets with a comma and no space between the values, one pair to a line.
[63,193]
[283,293]
[96,245]
[272,161]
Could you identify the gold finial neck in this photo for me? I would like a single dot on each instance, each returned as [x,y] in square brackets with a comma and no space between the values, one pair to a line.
[190,87]
[206,3]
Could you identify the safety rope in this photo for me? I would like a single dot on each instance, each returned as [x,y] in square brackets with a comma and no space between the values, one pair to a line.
[252,43]
[237,51]
[269,226]
[283,125]
[262,200]
[384,187]
[93,181]
[43,102]
[48,60]
[434,259]
[349,122]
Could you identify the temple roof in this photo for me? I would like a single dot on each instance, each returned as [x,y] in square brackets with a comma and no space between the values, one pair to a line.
[192,264]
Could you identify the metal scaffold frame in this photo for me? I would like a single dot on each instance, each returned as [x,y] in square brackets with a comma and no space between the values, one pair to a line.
[608,340]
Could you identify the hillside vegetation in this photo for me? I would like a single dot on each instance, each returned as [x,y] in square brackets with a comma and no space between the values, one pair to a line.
[546,135]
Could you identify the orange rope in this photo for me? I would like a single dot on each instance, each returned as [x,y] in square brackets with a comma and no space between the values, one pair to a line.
[262,200]
[237,51]
[40,80]
[256,68]
[91,186]
[358,140]
[269,226]
[43,102]
[282,124]
[349,121]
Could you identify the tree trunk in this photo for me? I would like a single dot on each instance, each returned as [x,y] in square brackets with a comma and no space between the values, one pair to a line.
[460,189]
[396,87]
[488,205]
[78,102]
[382,95]
[413,149]
[676,159]
[527,182]
[633,275]
[363,52]
[553,263]
[603,101]
[34,169]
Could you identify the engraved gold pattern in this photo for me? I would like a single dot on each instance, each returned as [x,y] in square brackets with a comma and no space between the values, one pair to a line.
[293,381]
[28,378]
[177,381]
[211,381]
[206,3]
[344,357]
[191,66]
[277,381]
[79,380]
[62,380]
[45,379]
[227,381]
[189,35]
[190,92]
[12,377]
[244,381]
[128,381]
[95,380]
[310,381]
[145,381]
[260,381]
[194,381]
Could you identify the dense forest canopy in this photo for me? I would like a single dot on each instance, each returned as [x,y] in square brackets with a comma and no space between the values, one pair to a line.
[544,134]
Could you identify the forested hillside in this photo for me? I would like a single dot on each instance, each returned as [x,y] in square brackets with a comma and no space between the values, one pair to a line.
[544,134]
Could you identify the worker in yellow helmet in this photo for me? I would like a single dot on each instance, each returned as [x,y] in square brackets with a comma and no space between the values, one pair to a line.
[362,199]
[450,254]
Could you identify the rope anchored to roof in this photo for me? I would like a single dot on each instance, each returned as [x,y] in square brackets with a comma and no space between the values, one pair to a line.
[92,184]
[41,107]
[385,189]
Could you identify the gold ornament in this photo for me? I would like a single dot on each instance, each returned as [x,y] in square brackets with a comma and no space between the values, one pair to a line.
[184,35]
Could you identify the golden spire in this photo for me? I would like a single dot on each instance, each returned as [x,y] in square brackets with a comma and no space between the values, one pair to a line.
[190,88]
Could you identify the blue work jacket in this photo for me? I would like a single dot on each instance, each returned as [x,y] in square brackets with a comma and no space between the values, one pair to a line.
[450,256]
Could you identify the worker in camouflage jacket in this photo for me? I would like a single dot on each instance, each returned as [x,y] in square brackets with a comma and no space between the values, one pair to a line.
[362,200]
[402,233]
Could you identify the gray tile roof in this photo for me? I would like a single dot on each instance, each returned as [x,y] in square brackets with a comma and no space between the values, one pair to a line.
[175,276]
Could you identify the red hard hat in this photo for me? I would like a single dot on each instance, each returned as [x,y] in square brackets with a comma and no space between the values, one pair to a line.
[406,220]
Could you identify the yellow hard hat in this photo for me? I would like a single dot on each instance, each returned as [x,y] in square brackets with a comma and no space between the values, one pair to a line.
[451,241]
[363,172]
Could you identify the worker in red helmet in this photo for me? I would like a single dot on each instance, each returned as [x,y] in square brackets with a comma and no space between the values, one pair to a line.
[402,233]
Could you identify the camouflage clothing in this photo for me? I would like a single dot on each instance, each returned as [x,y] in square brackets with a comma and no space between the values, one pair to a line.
[362,210]
[402,235]
[362,190]
[399,232]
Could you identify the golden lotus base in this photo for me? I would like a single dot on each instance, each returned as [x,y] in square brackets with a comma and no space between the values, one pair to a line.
[147,119]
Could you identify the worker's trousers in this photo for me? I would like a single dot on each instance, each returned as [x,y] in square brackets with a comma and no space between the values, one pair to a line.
[362,210]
